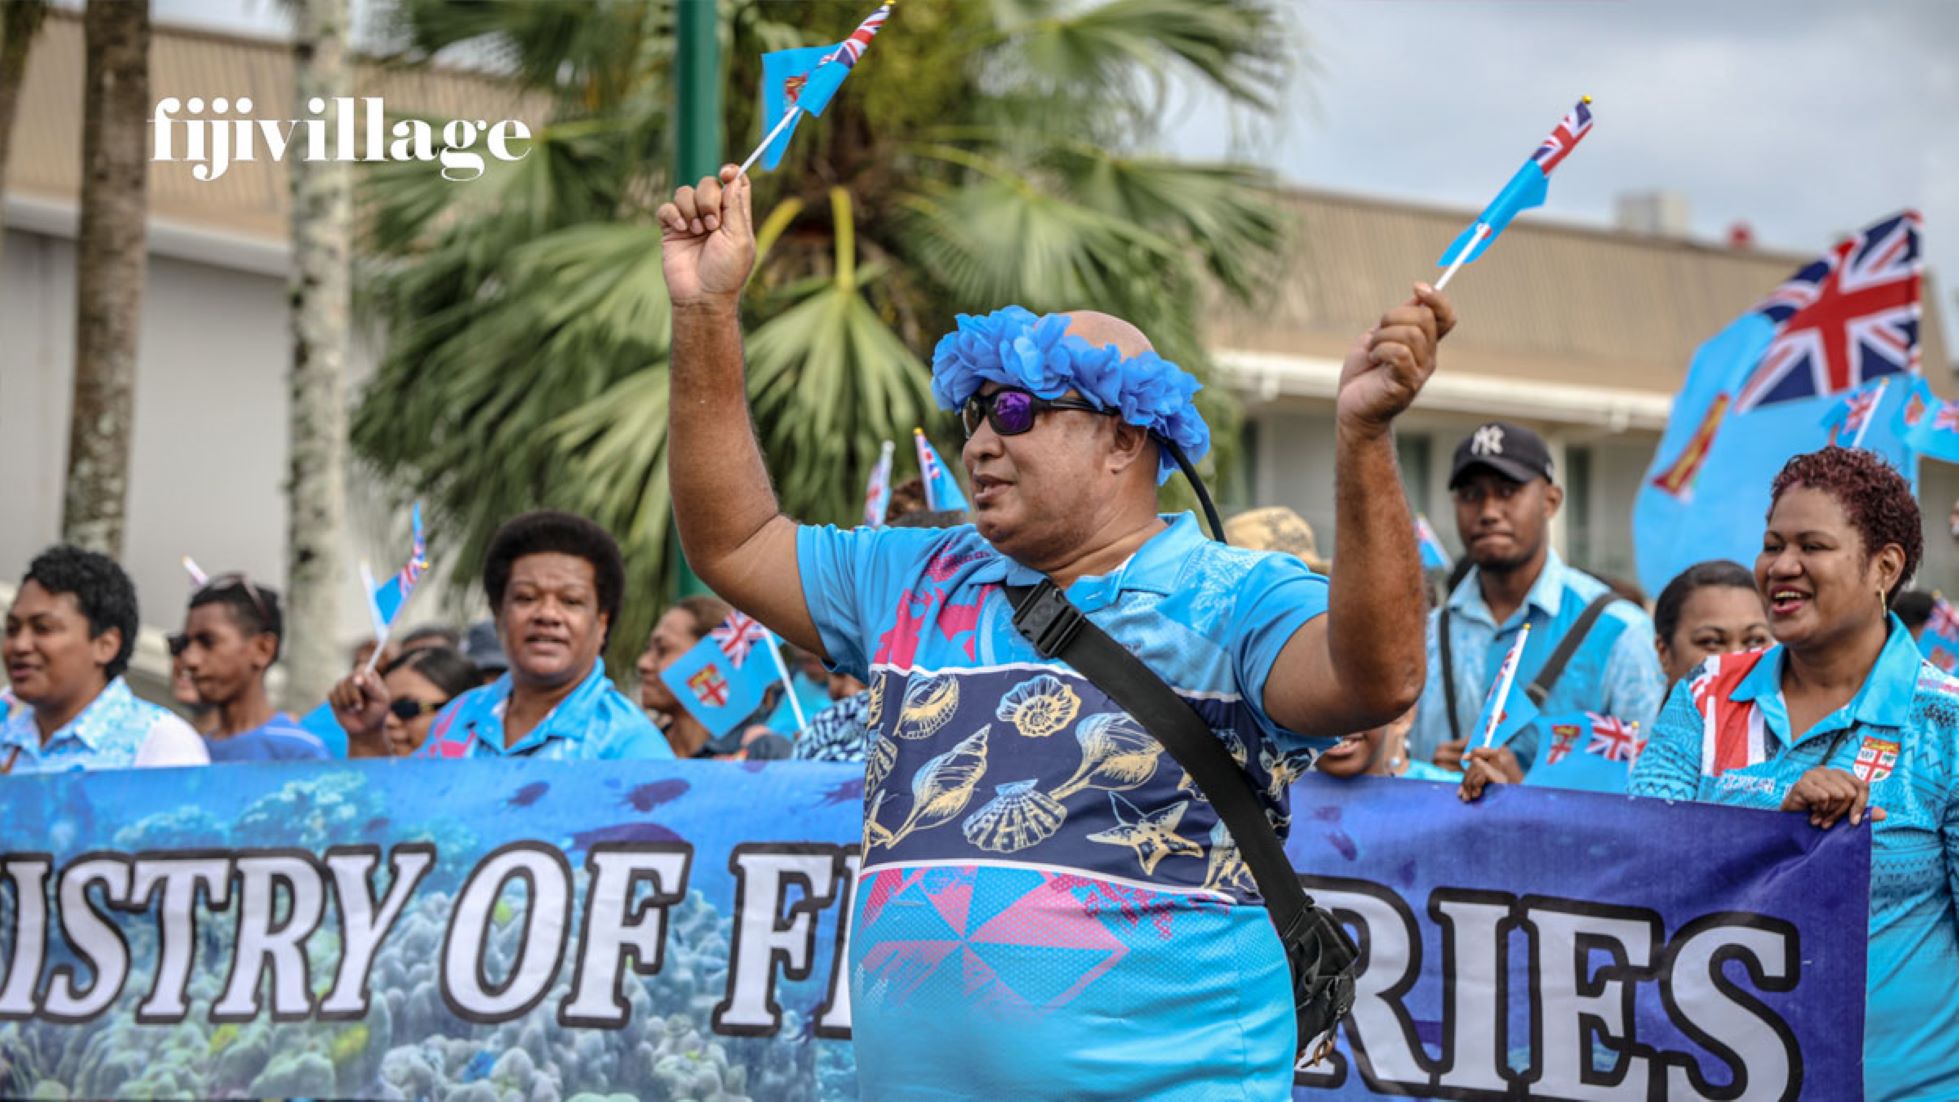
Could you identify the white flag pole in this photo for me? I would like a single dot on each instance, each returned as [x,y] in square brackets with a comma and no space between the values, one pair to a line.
[1503,688]
[788,117]
[1482,231]
[382,627]
[788,684]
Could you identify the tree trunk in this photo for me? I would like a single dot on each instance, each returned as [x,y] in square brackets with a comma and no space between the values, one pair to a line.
[20,21]
[111,257]
[322,229]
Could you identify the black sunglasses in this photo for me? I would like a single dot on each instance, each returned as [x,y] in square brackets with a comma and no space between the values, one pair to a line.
[1011,410]
[406,710]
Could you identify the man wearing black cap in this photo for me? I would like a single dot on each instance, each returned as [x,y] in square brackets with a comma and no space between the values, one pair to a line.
[1587,651]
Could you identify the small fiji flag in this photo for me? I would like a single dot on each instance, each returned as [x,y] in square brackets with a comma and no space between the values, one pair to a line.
[1505,714]
[1940,642]
[722,681]
[1527,188]
[802,81]
[1434,556]
[1585,751]
[1931,423]
[393,593]
[941,489]
[877,495]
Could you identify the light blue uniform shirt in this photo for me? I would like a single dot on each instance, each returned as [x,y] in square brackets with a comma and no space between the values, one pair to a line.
[1047,906]
[595,723]
[1615,672]
[117,730]
[1901,733]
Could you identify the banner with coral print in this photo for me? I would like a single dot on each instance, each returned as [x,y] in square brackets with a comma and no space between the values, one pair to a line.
[541,930]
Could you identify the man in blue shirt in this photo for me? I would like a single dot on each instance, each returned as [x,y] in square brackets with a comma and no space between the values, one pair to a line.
[70,632]
[232,635]
[555,582]
[1505,497]
[1047,907]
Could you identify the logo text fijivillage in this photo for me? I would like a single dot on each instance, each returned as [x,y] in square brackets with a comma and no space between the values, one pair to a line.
[359,133]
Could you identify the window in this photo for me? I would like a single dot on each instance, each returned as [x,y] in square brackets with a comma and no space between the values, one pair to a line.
[1411,452]
[1578,507]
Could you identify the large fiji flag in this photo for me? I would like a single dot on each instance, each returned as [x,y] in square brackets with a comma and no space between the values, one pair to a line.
[1761,391]
[723,680]
[1586,751]
[1527,188]
[941,489]
[803,80]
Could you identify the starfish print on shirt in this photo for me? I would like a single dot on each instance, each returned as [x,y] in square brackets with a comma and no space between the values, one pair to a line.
[1153,836]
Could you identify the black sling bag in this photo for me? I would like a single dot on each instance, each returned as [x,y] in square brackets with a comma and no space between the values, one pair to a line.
[1318,951]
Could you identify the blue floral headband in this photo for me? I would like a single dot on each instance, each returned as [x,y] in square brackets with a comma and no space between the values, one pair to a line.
[1015,347]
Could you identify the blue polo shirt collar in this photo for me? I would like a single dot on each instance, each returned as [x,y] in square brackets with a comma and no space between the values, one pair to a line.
[1152,569]
[568,719]
[1546,593]
[1883,701]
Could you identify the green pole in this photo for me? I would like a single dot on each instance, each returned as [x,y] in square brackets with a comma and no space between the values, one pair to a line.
[697,142]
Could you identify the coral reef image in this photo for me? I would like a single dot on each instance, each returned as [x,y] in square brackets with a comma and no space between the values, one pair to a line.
[408,1040]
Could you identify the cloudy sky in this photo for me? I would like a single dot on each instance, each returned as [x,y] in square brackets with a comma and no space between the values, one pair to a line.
[1803,118]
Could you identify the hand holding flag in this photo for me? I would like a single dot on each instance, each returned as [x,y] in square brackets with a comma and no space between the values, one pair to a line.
[1527,189]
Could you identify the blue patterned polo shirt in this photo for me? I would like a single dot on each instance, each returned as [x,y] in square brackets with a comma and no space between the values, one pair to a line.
[1047,907]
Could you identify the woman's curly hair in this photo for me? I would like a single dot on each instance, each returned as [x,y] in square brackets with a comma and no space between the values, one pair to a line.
[1875,497]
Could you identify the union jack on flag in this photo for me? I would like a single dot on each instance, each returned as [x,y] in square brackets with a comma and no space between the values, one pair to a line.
[1614,739]
[418,556]
[737,635]
[1560,142]
[1847,318]
[1947,419]
[852,48]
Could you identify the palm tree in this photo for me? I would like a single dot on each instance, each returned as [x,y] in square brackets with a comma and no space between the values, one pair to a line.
[111,258]
[981,154]
[322,236]
[20,21]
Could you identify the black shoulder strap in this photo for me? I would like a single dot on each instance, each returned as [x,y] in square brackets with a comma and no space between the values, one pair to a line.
[1540,686]
[1448,672]
[1045,616]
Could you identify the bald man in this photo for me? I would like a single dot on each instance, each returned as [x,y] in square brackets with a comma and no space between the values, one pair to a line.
[1046,907]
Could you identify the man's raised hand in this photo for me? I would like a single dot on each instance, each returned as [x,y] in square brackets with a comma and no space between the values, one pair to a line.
[707,240]
[1389,364]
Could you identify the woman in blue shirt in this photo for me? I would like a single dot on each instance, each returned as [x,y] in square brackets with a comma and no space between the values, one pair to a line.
[1840,716]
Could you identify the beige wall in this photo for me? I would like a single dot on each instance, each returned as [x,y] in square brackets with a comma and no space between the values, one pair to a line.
[209,447]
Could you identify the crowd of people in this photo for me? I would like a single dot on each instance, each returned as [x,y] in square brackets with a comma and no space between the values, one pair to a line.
[1796,685]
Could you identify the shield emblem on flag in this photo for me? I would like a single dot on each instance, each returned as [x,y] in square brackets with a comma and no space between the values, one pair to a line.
[1875,759]
[710,688]
[1563,737]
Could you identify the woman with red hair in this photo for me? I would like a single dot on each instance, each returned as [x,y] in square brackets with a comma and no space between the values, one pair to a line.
[1840,716]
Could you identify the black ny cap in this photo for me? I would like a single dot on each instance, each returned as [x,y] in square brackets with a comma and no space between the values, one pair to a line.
[1512,451]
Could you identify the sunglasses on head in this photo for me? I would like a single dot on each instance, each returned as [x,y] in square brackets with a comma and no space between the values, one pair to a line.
[406,710]
[235,580]
[1011,410]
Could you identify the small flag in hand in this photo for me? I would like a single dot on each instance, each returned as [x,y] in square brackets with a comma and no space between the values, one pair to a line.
[1527,189]
[716,681]
[1504,712]
[803,80]
[1588,752]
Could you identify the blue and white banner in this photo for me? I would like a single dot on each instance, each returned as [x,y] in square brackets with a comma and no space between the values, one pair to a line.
[433,930]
